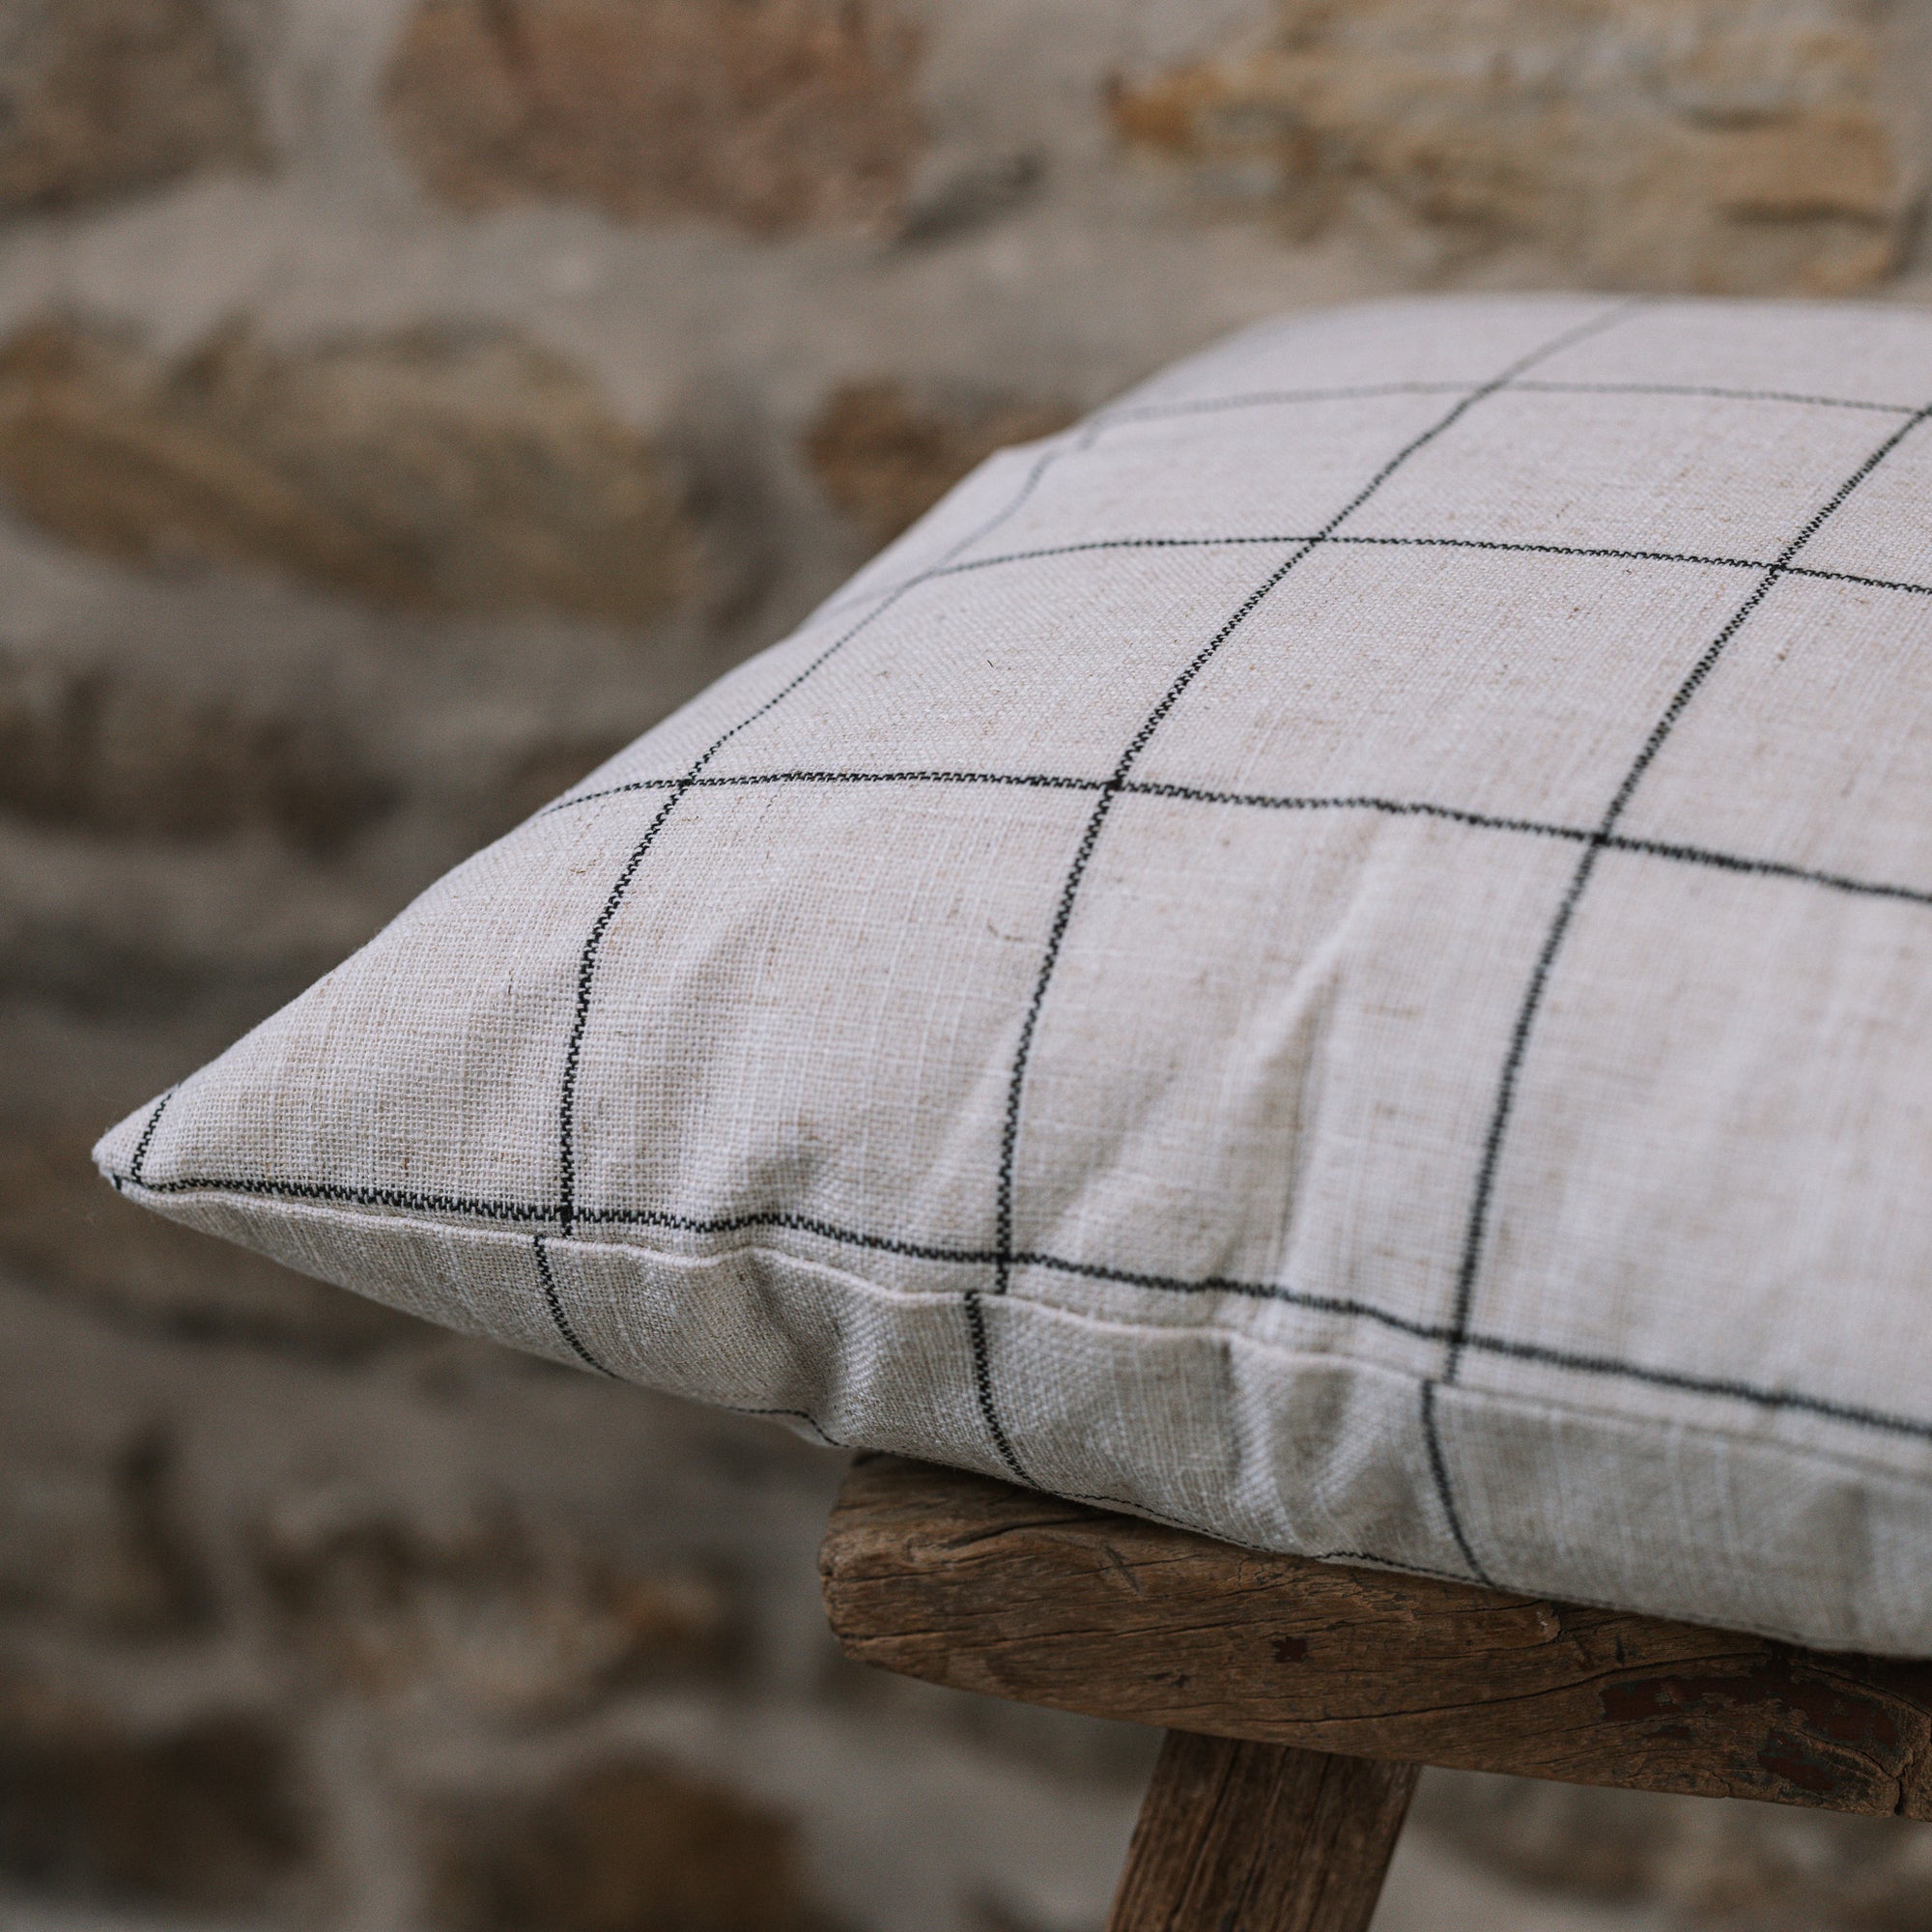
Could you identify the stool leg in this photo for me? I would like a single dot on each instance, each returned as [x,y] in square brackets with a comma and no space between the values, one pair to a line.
[1249,1837]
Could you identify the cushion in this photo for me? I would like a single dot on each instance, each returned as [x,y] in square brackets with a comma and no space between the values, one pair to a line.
[1340,955]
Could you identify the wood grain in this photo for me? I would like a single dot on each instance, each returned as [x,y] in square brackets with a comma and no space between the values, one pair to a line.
[974,1583]
[1237,1837]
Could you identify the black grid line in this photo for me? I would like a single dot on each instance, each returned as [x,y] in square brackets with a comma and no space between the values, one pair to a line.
[937,775]
[1445,1495]
[1269,399]
[1347,1306]
[554,1302]
[1483,1193]
[1716,392]
[1393,807]
[483,1207]
[1733,1388]
[1476,1341]
[1103,805]
[1258,399]
[1767,868]
[982,1381]
[147,1139]
[1605,552]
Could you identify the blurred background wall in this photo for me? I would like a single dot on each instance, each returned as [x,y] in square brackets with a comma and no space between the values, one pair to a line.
[403,403]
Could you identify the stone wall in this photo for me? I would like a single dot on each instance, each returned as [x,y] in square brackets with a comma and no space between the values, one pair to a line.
[403,403]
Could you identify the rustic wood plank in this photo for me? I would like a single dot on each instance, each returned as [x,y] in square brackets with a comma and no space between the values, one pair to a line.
[1235,1836]
[978,1584]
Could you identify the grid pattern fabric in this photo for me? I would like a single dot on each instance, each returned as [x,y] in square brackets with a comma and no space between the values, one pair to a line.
[1338,954]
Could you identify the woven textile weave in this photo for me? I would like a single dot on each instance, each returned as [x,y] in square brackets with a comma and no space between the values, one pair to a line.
[1341,955]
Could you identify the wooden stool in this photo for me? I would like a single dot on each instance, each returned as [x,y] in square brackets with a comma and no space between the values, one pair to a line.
[1301,1698]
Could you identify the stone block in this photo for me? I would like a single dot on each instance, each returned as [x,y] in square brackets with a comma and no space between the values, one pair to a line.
[772,115]
[1682,144]
[91,1536]
[432,470]
[952,194]
[98,746]
[512,1620]
[885,455]
[101,97]
[626,1845]
[204,1817]
[1748,1867]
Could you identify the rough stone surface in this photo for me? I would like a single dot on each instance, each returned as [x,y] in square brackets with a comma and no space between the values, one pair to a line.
[205,1816]
[774,115]
[90,1533]
[499,1612]
[884,455]
[92,747]
[623,1846]
[352,508]
[100,96]
[433,470]
[1696,144]
[1722,1862]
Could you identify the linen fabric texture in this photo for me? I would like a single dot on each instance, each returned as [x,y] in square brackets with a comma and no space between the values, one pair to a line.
[1341,955]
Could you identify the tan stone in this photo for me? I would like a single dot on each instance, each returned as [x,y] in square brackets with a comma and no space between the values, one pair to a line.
[1691,144]
[65,1230]
[885,455]
[91,1536]
[775,115]
[97,747]
[626,1846]
[1706,1862]
[512,1620]
[440,471]
[206,1817]
[98,96]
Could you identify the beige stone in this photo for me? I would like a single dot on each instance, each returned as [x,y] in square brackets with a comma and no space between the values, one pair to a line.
[1689,144]
[91,1537]
[498,1614]
[885,455]
[628,1845]
[93,746]
[98,96]
[432,470]
[774,115]
[204,1817]
[1747,1868]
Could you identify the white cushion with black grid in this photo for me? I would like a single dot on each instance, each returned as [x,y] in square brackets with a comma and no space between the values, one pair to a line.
[1341,955]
